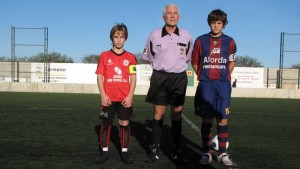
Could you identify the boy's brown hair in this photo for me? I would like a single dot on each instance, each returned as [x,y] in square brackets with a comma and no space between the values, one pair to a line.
[217,15]
[118,27]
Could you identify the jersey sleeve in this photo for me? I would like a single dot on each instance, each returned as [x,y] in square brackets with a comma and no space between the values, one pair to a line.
[232,51]
[196,54]
[189,49]
[132,66]
[100,66]
[147,52]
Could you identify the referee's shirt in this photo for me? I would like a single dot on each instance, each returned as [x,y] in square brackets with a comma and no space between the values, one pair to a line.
[168,52]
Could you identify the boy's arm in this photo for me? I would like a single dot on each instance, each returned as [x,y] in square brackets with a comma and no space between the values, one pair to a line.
[105,101]
[195,67]
[132,85]
[231,66]
[127,102]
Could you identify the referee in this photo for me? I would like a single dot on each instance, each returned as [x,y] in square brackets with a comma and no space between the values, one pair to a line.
[168,50]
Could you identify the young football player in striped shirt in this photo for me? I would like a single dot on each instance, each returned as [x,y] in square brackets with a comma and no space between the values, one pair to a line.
[213,61]
[116,78]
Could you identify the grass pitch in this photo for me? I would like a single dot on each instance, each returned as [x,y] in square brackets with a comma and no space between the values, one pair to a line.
[59,131]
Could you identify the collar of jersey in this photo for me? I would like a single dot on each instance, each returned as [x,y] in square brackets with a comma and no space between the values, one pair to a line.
[164,31]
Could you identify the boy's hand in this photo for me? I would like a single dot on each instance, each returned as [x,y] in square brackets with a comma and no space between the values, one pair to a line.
[127,102]
[105,100]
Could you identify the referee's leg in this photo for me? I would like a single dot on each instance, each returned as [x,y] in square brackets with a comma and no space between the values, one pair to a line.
[176,119]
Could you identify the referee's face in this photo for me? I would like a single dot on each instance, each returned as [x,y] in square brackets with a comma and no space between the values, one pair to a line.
[171,16]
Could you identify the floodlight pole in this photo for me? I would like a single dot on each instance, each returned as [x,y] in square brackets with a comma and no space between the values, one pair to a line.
[13,55]
[279,77]
[46,59]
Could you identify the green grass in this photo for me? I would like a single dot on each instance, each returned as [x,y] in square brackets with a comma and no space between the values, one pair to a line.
[47,130]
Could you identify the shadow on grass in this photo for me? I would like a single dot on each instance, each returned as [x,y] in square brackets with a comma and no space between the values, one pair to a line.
[143,134]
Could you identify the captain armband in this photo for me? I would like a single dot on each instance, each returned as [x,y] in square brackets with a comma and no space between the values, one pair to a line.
[232,57]
[132,69]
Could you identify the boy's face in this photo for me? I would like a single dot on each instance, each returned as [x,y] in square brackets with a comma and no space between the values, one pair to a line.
[216,28]
[171,16]
[118,39]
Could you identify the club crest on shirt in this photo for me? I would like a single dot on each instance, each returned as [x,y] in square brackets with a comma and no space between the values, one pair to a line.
[125,62]
[215,43]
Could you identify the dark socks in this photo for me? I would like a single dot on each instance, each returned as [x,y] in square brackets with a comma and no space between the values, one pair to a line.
[206,136]
[176,132]
[156,131]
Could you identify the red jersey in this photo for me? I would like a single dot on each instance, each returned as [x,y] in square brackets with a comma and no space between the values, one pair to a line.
[115,69]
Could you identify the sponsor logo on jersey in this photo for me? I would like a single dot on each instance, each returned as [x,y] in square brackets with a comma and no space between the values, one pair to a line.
[214,67]
[215,51]
[215,60]
[118,70]
[109,62]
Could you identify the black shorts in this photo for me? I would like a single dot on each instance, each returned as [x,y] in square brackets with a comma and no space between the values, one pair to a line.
[167,88]
[123,113]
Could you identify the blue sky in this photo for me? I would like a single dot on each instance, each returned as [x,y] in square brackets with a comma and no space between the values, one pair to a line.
[78,28]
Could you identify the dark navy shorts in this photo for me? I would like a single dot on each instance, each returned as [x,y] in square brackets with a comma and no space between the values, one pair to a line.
[212,99]
[167,88]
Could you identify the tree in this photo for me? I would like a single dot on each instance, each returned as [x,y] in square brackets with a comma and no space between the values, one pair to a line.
[247,61]
[139,58]
[53,57]
[8,59]
[296,66]
[4,59]
[93,58]
[24,59]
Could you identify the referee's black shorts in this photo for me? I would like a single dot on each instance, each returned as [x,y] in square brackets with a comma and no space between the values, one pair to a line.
[167,88]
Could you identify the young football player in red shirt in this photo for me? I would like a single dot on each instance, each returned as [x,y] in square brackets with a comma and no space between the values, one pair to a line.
[116,78]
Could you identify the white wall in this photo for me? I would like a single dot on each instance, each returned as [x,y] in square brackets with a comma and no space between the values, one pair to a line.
[141,90]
